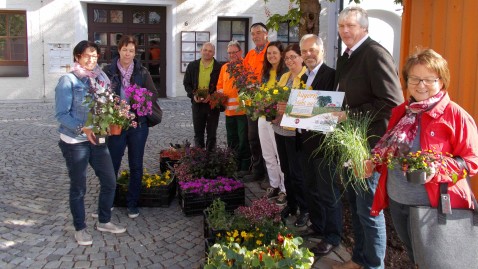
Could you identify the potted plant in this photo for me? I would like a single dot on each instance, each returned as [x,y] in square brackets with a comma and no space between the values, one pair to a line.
[140,100]
[283,252]
[156,189]
[218,100]
[200,163]
[171,156]
[347,146]
[122,118]
[196,195]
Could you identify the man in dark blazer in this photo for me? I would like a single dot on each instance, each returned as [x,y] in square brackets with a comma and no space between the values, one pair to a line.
[203,73]
[321,190]
[368,76]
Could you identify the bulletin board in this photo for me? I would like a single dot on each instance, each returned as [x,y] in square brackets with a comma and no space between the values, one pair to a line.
[60,57]
[191,44]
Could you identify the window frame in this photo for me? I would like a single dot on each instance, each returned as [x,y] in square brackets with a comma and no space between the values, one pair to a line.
[244,44]
[6,65]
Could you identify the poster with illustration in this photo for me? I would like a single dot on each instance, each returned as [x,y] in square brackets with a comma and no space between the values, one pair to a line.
[311,110]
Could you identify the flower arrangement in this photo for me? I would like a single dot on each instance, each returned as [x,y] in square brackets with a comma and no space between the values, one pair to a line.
[347,146]
[201,93]
[217,100]
[259,211]
[200,163]
[245,80]
[140,100]
[211,186]
[100,101]
[122,115]
[148,180]
[283,252]
[429,161]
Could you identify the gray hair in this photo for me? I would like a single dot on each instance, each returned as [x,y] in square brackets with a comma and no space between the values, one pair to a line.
[317,39]
[360,13]
[209,44]
[234,43]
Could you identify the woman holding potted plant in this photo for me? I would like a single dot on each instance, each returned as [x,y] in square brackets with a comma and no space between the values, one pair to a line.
[428,122]
[77,142]
[132,82]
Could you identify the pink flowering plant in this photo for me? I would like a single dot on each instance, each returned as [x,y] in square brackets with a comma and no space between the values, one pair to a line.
[140,100]
[122,115]
[211,186]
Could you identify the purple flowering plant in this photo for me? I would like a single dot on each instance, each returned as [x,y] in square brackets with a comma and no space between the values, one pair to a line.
[140,99]
[211,186]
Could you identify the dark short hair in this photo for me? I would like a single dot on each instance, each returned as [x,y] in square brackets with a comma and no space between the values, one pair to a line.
[127,39]
[82,46]
[259,24]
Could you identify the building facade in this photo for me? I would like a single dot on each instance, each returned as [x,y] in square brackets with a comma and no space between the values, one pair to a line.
[37,36]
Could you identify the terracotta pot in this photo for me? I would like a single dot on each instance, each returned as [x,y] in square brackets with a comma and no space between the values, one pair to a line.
[115,129]
[417,177]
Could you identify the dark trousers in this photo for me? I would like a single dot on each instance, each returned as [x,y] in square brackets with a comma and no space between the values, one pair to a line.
[135,140]
[323,198]
[205,119]
[293,176]
[236,127]
[257,162]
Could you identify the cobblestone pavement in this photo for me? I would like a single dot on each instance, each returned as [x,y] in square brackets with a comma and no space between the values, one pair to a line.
[36,229]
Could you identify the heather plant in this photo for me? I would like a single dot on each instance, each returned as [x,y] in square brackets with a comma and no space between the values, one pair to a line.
[210,186]
[199,163]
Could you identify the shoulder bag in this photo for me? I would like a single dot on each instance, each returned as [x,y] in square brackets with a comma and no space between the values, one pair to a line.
[157,115]
[443,238]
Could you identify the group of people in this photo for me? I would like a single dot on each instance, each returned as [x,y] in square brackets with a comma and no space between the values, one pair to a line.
[298,175]
[78,143]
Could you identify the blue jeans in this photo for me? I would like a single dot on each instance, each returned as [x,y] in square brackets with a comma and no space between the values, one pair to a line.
[77,157]
[323,198]
[135,140]
[370,232]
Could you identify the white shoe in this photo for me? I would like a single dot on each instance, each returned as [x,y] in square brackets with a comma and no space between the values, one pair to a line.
[110,227]
[83,238]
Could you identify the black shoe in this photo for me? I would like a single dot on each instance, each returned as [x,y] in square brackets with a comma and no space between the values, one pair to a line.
[302,220]
[287,211]
[322,249]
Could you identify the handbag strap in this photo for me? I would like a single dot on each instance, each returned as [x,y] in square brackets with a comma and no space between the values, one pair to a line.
[444,190]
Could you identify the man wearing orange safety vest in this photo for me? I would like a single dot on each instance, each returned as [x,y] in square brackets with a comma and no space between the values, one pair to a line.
[236,121]
[254,61]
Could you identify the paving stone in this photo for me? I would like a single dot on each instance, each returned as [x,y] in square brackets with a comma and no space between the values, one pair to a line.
[37,230]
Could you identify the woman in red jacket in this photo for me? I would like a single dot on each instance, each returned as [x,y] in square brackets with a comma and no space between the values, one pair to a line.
[429,120]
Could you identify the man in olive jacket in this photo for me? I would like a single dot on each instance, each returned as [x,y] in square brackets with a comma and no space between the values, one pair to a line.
[203,73]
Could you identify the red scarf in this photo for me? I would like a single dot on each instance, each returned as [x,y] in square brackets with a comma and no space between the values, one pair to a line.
[402,135]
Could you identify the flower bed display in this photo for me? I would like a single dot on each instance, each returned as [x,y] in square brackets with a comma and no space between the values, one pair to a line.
[156,190]
[195,196]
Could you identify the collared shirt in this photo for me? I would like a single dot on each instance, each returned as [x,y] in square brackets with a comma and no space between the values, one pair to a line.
[311,74]
[352,49]
[204,75]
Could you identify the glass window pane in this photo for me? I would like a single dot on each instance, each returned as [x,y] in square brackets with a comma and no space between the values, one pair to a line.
[294,34]
[283,29]
[114,38]
[140,38]
[18,46]
[3,49]
[116,16]
[17,25]
[100,38]
[282,38]
[154,17]
[3,23]
[239,37]
[102,55]
[139,17]
[113,51]
[239,28]
[154,37]
[99,15]
[224,30]
[221,52]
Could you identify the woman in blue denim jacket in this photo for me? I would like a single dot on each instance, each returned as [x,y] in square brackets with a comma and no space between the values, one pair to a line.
[77,142]
[124,71]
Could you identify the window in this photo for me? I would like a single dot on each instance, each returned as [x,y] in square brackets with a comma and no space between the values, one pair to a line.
[288,34]
[13,44]
[229,29]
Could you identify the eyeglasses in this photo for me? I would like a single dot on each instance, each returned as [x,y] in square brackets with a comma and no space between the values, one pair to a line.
[89,57]
[292,57]
[426,81]
[233,52]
